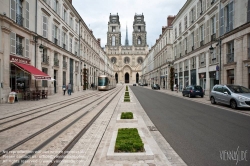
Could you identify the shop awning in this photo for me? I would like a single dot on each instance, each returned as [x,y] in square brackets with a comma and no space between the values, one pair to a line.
[38,74]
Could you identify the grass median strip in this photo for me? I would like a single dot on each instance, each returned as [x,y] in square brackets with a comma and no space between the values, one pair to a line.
[128,140]
[127,115]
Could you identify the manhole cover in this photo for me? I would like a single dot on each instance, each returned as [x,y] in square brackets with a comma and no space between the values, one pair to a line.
[152,128]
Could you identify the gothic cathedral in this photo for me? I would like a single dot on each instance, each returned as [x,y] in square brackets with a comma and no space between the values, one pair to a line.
[127,59]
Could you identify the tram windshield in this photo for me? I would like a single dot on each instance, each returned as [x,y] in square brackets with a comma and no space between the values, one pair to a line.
[102,81]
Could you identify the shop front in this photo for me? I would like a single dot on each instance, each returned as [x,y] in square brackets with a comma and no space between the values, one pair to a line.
[186,79]
[202,77]
[180,81]
[213,79]
[22,74]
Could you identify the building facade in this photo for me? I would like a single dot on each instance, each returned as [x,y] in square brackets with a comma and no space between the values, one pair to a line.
[156,67]
[56,43]
[127,59]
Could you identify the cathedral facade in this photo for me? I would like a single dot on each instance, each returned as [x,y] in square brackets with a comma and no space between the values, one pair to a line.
[127,59]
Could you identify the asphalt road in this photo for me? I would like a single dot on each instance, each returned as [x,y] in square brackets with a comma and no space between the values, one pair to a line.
[200,134]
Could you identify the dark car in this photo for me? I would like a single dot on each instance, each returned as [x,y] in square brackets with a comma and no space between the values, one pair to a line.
[155,86]
[192,91]
[145,84]
[134,84]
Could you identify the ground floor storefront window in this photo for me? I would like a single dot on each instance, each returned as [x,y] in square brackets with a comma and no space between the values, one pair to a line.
[193,77]
[186,79]
[213,80]
[202,77]
[19,79]
[230,76]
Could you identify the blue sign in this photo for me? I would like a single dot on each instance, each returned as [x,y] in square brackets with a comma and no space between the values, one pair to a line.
[217,68]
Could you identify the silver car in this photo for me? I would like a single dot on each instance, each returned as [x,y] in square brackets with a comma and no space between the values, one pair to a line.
[233,95]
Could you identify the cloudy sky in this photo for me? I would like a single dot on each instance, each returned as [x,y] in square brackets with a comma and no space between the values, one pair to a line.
[96,13]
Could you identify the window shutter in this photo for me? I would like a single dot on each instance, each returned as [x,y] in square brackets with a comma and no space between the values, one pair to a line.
[59,9]
[13,9]
[198,9]
[12,43]
[67,42]
[27,14]
[207,39]
[197,38]
[221,21]
[194,13]
[208,3]
[58,37]
[203,5]
[66,17]
[27,47]
[217,25]
[45,26]
[62,39]
[190,18]
[248,11]
[231,9]
[53,32]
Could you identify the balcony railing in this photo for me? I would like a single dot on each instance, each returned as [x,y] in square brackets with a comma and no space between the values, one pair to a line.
[248,53]
[19,49]
[213,59]
[230,57]
[19,19]
[76,69]
[213,37]
[202,64]
[201,43]
[55,41]
[64,64]
[45,59]
[56,62]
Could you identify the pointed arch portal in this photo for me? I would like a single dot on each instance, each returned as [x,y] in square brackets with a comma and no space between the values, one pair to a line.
[137,78]
[126,78]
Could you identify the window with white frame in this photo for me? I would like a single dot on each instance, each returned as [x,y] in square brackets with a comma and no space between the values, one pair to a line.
[64,40]
[185,43]
[76,48]
[71,22]
[226,18]
[202,60]
[193,63]
[213,25]
[45,26]
[65,15]
[19,45]
[214,56]
[175,33]
[19,12]
[56,34]
[179,28]
[192,38]
[230,52]
[76,27]
[201,33]
[186,64]
[185,22]
[70,44]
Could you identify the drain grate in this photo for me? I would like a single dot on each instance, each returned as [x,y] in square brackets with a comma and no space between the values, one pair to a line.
[152,128]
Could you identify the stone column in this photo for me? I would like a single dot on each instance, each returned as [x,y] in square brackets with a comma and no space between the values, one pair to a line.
[5,63]
[238,57]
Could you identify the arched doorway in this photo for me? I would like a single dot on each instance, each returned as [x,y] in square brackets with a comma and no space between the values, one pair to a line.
[126,78]
[137,78]
[116,77]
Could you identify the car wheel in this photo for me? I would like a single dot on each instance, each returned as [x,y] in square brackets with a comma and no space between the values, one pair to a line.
[202,96]
[212,100]
[233,104]
[189,95]
[183,94]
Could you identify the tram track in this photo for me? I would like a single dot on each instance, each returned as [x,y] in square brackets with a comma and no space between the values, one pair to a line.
[39,111]
[10,148]
[49,105]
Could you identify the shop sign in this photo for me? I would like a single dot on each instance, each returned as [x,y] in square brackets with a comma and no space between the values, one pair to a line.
[19,59]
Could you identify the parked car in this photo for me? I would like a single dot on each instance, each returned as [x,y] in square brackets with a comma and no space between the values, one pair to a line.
[134,84]
[192,91]
[155,86]
[145,84]
[233,95]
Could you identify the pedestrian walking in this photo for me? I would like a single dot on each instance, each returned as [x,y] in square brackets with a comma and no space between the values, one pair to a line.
[64,89]
[69,89]
[92,86]
[177,88]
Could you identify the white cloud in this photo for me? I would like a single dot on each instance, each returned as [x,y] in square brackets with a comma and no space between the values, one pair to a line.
[96,14]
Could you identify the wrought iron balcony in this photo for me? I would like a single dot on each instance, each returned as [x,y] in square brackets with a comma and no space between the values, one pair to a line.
[248,53]
[19,49]
[45,59]
[201,43]
[55,41]
[19,19]
[56,62]
[230,57]
[213,37]
[202,64]
[64,64]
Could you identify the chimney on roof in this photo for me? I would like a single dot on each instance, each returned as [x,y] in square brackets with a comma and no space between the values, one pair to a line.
[170,20]
[70,1]
[163,29]
[99,41]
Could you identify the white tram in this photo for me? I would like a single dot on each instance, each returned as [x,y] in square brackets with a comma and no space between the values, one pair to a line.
[106,83]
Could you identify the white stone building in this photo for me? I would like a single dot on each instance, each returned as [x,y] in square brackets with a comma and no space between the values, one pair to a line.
[67,46]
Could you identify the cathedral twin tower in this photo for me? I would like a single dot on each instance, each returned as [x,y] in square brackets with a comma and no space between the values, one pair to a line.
[127,59]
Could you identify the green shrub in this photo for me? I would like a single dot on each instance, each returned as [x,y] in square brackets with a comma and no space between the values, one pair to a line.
[126,88]
[127,100]
[127,115]
[128,140]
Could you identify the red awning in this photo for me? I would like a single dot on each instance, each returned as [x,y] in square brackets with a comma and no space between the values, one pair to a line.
[38,74]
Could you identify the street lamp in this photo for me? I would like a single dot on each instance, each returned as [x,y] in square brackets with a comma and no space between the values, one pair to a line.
[41,48]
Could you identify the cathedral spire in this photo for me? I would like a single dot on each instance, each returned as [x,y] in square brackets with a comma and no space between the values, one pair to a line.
[126,40]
